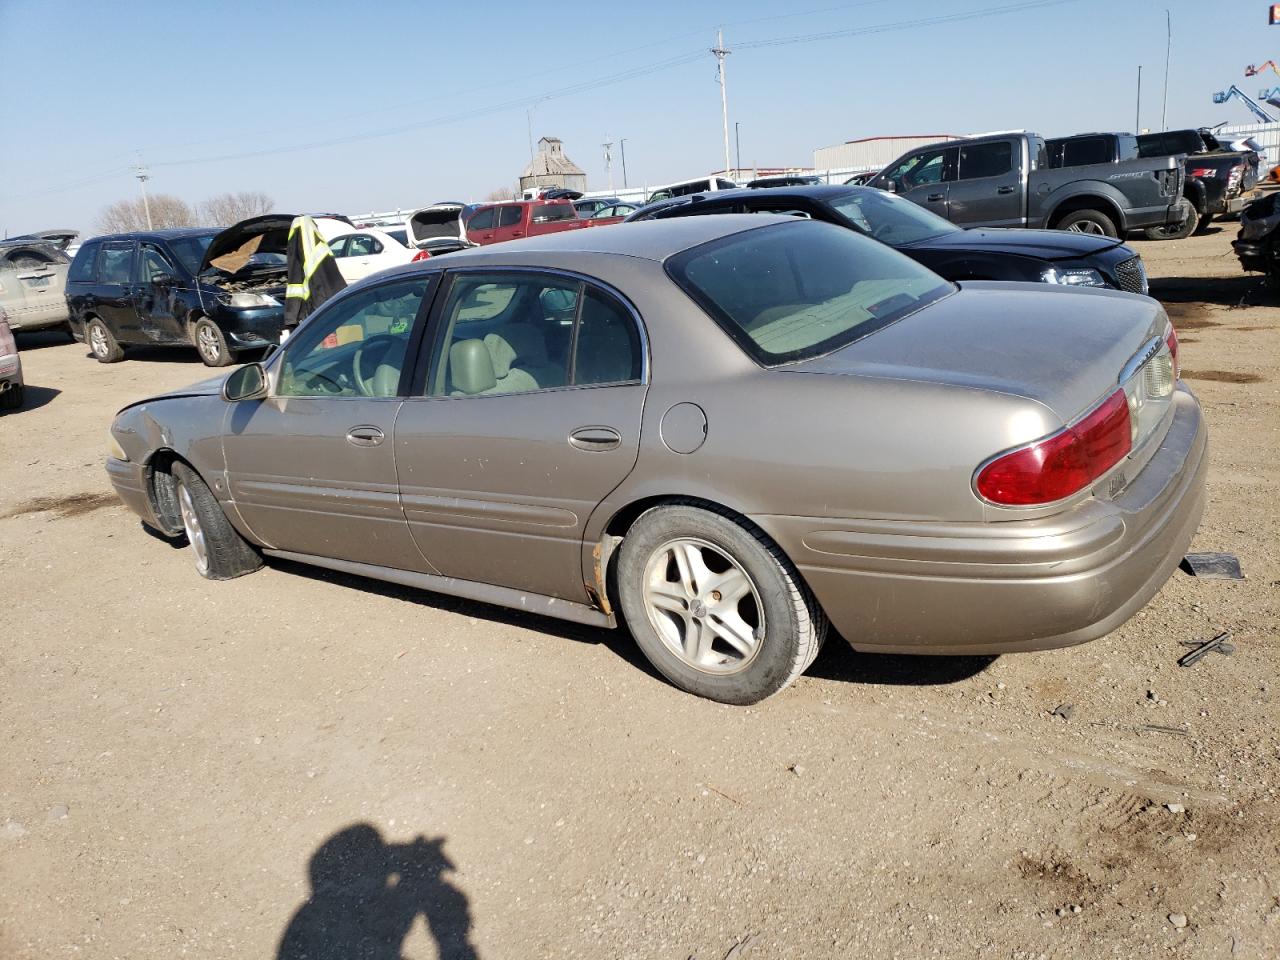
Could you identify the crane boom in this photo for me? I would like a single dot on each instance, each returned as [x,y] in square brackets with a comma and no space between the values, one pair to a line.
[1234,91]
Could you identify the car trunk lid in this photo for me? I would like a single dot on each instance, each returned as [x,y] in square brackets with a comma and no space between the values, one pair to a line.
[439,228]
[1064,348]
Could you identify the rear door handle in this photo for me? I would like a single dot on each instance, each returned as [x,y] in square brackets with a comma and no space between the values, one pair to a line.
[935,197]
[365,436]
[595,438]
[1005,190]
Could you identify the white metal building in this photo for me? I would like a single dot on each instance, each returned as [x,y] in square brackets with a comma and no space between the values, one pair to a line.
[872,153]
[1266,135]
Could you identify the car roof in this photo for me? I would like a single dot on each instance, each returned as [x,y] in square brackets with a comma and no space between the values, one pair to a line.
[169,234]
[648,240]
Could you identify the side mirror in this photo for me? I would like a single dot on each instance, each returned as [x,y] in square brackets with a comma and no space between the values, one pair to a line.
[247,383]
[161,279]
[891,186]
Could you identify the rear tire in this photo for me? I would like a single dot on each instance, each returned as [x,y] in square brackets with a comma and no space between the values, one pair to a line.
[211,343]
[715,605]
[12,398]
[220,552]
[1180,232]
[102,342]
[1088,221]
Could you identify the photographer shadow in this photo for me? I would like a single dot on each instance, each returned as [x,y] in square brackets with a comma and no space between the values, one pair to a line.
[367,893]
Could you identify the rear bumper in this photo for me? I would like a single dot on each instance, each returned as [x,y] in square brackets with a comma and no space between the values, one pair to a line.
[992,588]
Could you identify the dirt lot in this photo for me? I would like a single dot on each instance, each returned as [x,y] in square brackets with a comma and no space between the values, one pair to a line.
[299,764]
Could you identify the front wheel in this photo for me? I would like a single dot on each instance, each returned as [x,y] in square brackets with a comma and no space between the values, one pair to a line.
[1088,221]
[220,553]
[211,343]
[716,607]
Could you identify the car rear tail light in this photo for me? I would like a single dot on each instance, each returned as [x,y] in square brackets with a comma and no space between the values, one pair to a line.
[420,255]
[8,345]
[1062,464]
[1171,338]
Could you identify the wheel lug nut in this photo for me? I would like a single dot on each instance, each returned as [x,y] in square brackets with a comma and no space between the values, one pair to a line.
[715,595]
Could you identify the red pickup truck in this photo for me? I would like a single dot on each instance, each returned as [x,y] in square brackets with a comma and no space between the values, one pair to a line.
[496,222]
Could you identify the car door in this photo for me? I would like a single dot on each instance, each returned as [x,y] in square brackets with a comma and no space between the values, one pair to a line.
[527,416]
[481,226]
[311,467]
[510,223]
[156,278]
[987,190]
[115,292]
[924,177]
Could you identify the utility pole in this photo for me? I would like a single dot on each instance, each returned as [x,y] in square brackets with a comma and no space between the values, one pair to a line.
[622,146]
[737,146]
[1168,47]
[608,159]
[143,176]
[720,53]
[1137,110]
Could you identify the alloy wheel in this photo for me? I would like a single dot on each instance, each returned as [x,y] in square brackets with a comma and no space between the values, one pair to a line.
[207,341]
[98,340]
[191,524]
[1086,226]
[703,605]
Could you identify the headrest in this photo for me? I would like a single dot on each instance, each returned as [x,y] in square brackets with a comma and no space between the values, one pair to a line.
[558,299]
[515,342]
[471,367]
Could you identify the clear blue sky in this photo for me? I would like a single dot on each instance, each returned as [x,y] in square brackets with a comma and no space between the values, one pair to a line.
[210,92]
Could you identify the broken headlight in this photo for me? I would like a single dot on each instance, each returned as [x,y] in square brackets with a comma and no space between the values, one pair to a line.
[249,300]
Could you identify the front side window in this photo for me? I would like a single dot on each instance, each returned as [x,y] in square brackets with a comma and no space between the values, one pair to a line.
[338,246]
[929,166]
[483,220]
[357,347]
[363,245]
[508,216]
[890,219]
[153,264]
[991,159]
[116,264]
[519,333]
[794,290]
[659,195]
[190,250]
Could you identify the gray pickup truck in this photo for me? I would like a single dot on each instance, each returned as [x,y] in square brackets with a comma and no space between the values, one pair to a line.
[1006,180]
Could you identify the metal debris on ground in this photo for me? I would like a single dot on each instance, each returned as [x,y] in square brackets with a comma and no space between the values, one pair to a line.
[1064,710]
[1159,728]
[1213,566]
[1202,650]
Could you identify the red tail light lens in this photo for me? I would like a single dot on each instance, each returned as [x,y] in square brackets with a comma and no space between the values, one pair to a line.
[1171,338]
[1063,464]
[420,255]
[8,345]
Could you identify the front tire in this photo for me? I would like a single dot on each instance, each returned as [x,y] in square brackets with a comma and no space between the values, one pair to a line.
[220,552]
[211,343]
[102,342]
[716,607]
[1089,221]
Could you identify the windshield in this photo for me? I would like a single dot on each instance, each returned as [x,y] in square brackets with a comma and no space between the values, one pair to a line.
[889,219]
[795,290]
[190,250]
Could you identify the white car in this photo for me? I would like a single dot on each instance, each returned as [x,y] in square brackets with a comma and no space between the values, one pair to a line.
[368,251]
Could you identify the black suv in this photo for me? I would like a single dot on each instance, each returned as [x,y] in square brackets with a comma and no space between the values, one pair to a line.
[219,291]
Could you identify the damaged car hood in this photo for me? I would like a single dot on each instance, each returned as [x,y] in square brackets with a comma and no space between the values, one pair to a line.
[231,249]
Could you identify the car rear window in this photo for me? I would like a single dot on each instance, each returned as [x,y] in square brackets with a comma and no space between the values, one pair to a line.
[547,212]
[794,290]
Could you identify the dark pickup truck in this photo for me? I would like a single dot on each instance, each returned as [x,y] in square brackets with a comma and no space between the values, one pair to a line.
[1215,182]
[1006,180]
[1220,180]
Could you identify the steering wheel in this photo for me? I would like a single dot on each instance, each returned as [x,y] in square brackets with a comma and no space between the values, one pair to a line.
[378,346]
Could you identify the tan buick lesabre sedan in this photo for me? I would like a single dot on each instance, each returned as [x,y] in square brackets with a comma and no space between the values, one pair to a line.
[732,431]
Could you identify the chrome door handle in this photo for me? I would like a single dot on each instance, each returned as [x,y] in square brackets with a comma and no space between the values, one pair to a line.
[595,438]
[935,197]
[1005,190]
[365,436]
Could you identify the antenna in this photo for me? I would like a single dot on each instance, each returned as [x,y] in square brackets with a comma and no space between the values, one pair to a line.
[140,171]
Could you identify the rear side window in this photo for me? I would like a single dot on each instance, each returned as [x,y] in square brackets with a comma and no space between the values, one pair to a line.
[508,216]
[116,263]
[1080,152]
[84,268]
[795,290]
[986,160]
[550,212]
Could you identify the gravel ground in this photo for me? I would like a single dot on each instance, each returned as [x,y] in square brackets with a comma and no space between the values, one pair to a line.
[300,764]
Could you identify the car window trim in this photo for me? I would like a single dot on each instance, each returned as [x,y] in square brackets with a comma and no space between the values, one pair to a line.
[436,331]
[413,345]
